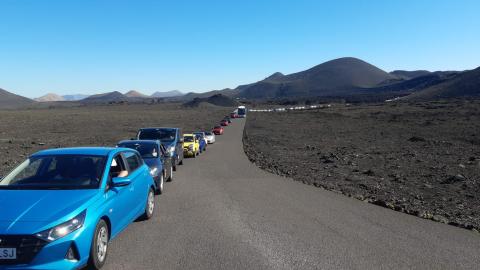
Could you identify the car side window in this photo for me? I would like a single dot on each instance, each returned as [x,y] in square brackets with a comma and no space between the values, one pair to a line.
[117,167]
[132,161]
[163,150]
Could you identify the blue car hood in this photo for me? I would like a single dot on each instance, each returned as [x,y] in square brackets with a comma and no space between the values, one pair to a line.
[151,162]
[168,144]
[41,205]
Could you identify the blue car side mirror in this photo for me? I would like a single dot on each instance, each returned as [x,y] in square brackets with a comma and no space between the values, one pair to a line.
[121,181]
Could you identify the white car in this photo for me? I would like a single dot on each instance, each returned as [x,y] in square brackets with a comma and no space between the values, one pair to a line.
[210,137]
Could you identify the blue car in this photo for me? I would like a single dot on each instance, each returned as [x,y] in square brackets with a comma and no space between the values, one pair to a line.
[202,140]
[60,208]
[171,138]
[156,156]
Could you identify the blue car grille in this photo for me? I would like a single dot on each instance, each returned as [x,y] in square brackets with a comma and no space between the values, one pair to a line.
[27,247]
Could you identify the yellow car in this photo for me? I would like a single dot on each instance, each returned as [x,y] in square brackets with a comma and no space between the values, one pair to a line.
[191,146]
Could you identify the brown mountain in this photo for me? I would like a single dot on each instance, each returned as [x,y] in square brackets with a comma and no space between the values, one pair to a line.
[50,97]
[9,100]
[337,77]
[465,84]
[135,94]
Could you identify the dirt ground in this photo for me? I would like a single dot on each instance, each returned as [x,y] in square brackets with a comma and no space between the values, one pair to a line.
[421,159]
[23,132]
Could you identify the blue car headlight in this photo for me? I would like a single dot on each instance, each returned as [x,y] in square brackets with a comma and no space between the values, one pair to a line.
[154,172]
[171,149]
[63,229]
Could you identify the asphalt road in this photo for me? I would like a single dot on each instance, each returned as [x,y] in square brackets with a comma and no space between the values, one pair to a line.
[222,212]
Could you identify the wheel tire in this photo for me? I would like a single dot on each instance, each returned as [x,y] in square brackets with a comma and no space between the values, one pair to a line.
[150,205]
[161,186]
[99,248]
[170,178]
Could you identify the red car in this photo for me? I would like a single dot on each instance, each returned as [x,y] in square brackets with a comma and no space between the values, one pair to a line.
[218,130]
[233,115]
[224,123]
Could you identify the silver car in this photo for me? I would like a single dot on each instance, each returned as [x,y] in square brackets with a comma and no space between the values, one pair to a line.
[210,137]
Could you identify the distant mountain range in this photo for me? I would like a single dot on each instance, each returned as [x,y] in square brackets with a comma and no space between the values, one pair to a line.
[173,93]
[74,97]
[351,77]
[340,78]
[51,97]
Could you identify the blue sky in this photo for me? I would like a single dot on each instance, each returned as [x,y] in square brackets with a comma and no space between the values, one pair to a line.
[92,46]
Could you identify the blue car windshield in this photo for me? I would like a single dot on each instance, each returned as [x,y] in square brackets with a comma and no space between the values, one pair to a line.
[164,135]
[56,172]
[146,150]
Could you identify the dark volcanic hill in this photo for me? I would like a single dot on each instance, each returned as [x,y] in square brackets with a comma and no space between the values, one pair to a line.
[416,84]
[106,98]
[225,92]
[465,84]
[218,100]
[407,75]
[10,101]
[337,77]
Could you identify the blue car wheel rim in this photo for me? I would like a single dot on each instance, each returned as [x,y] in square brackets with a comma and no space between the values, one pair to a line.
[161,182]
[102,244]
[151,202]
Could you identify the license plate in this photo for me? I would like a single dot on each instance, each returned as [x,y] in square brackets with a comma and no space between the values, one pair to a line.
[8,253]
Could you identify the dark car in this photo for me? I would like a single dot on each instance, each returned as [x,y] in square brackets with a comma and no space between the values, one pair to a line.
[228,119]
[155,155]
[171,138]
[224,123]
[202,140]
[217,130]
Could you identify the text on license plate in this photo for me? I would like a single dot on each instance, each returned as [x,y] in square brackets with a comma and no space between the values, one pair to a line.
[8,253]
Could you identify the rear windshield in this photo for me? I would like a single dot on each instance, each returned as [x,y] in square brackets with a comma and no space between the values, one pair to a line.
[56,172]
[208,133]
[188,139]
[164,135]
[146,150]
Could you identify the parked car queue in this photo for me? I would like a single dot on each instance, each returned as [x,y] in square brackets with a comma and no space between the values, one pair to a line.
[61,207]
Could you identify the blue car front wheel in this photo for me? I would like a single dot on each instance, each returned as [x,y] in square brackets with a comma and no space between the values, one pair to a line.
[150,206]
[99,248]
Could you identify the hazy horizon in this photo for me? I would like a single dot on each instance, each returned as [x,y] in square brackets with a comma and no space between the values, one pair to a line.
[91,47]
